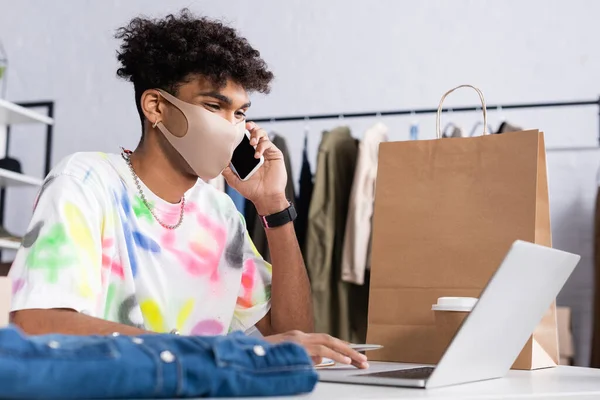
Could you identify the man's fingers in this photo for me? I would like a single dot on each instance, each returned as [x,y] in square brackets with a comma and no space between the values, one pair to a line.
[360,365]
[256,138]
[251,126]
[263,146]
[319,350]
[342,348]
[256,133]
[320,345]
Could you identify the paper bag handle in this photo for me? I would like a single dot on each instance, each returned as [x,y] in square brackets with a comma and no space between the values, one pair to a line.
[439,111]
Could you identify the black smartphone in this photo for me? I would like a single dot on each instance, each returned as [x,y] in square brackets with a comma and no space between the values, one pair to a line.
[243,163]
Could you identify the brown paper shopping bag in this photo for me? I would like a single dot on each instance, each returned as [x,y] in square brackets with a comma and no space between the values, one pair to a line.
[446,213]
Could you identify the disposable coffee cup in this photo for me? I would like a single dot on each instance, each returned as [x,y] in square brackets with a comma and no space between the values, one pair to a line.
[450,312]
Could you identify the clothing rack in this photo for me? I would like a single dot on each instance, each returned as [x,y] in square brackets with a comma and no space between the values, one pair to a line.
[577,103]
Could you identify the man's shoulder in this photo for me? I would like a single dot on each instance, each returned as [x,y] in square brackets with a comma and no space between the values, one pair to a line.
[87,166]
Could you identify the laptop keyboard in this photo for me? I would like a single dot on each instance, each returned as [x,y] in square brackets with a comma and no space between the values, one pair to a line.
[411,373]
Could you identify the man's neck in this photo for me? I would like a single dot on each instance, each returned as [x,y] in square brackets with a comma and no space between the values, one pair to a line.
[159,174]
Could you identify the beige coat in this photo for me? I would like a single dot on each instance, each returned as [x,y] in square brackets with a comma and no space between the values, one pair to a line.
[357,240]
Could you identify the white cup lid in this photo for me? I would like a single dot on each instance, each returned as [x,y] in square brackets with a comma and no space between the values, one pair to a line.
[464,304]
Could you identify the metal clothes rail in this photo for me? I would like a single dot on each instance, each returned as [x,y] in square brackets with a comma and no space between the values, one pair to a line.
[576,103]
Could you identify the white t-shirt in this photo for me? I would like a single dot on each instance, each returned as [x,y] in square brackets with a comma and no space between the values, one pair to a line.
[93,246]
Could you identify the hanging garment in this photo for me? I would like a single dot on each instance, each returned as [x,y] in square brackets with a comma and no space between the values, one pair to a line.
[506,127]
[452,130]
[238,199]
[595,359]
[360,213]
[255,226]
[336,163]
[359,309]
[303,200]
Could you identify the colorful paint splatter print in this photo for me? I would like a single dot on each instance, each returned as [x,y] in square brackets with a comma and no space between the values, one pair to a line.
[93,246]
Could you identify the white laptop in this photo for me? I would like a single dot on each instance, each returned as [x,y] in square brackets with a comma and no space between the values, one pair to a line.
[492,336]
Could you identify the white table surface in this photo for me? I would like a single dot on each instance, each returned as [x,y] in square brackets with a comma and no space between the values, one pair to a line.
[561,382]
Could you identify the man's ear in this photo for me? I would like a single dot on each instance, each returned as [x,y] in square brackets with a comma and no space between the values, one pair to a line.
[152,106]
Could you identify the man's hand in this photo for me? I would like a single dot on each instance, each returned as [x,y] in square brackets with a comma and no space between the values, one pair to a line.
[266,188]
[319,345]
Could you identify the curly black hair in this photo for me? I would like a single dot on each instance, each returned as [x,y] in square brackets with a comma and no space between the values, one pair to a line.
[165,53]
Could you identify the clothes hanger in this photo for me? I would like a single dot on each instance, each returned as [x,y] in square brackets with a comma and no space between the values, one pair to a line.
[414,126]
[478,124]
[450,125]
[501,118]
[306,132]
[272,130]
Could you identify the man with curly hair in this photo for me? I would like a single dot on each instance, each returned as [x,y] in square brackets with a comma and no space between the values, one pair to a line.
[138,241]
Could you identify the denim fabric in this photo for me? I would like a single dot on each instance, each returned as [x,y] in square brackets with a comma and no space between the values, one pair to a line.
[149,366]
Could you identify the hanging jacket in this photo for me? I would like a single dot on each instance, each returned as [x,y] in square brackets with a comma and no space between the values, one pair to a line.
[505,127]
[326,226]
[304,196]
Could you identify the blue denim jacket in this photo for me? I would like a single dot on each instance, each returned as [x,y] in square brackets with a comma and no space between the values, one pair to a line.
[149,366]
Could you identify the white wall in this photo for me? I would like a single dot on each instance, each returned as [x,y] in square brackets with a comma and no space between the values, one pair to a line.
[339,56]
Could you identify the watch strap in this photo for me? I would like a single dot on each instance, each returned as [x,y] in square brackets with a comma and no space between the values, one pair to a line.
[281,218]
